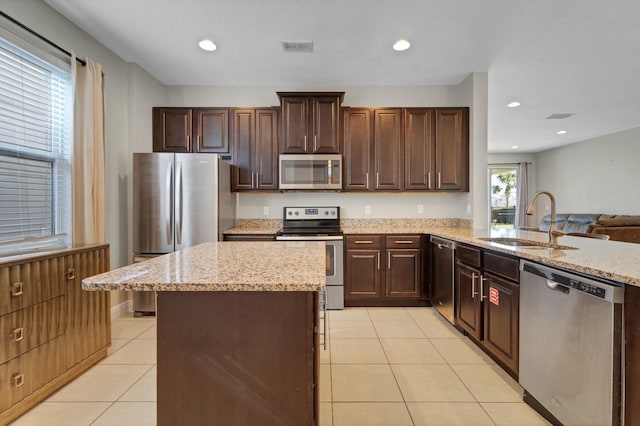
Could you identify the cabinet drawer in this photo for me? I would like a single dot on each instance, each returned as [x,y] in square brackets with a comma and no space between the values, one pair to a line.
[403,241]
[469,255]
[25,374]
[505,266]
[30,283]
[364,242]
[27,328]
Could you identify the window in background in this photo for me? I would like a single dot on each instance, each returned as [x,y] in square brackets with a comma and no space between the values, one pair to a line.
[35,147]
[503,184]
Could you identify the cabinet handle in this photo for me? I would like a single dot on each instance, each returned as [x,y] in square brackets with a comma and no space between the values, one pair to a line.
[257,180]
[315,145]
[71,273]
[189,142]
[388,260]
[439,180]
[18,334]
[482,280]
[18,380]
[367,181]
[404,242]
[378,256]
[429,180]
[17,289]
[473,285]
[252,174]
[364,242]
[377,180]
[305,143]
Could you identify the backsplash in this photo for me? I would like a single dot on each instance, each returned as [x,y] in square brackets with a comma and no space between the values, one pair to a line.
[366,223]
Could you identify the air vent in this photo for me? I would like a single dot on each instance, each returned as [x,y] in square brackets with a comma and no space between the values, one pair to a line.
[297,46]
[561,116]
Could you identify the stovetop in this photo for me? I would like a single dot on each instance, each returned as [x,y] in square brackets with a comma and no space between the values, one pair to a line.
[311,221]
[310,231]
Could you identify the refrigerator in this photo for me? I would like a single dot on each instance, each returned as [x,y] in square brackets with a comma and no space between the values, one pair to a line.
[179,200]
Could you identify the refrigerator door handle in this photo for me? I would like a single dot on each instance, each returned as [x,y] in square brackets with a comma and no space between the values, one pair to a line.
[168,206]
[179,203]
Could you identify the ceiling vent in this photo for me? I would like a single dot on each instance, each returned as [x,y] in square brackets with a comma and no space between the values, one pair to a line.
[559,116]
[297,46]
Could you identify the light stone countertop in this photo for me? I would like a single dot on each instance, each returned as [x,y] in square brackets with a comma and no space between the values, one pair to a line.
[224,266]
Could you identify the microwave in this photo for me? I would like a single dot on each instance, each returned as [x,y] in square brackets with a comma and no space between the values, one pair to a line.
[310,171]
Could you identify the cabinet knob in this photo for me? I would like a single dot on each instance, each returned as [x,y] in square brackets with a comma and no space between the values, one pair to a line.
[18,334]
[18,380]
[17,289]
[71,273]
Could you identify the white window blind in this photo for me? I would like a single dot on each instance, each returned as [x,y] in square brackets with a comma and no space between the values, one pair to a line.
[35,150]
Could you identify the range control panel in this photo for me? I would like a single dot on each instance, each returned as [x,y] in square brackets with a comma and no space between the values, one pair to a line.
[311,213]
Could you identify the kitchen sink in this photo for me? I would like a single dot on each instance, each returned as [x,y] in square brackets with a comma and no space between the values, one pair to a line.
[520,242]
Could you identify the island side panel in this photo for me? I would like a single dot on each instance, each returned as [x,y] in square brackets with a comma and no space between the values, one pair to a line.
[237,358]
[632,355]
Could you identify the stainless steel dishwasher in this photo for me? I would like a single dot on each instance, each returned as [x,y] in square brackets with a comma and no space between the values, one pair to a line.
[571,346]
[443,295]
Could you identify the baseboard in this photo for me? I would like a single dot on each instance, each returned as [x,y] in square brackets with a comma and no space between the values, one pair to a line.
[124,309]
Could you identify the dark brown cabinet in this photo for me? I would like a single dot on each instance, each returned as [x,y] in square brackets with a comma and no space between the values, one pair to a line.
[452,149]
[384,270]
[255,136]
[487,302]
[310,122]
[191,130]
[406,149]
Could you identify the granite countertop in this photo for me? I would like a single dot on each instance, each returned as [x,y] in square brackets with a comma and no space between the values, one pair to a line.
[224,266]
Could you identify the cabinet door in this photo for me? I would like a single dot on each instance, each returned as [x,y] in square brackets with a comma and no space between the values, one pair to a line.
[243,177]
[266,148]
[295,125]
[403,273]
[501,324]
[357,148]
[326,125]
[468,300]
[172,129]
[418,149]
[211,130]
[362,274]
[452,149]
[387,141]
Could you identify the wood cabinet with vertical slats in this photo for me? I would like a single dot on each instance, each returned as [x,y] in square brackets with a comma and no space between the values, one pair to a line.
[50,329]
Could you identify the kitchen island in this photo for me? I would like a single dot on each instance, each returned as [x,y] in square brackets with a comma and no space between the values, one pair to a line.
[237,341]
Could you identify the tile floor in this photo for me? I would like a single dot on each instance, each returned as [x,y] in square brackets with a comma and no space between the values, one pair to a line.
[383,366]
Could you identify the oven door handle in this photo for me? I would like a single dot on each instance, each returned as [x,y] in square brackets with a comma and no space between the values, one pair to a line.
[309,238]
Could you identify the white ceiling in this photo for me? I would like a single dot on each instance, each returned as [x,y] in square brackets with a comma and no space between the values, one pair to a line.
[554,56]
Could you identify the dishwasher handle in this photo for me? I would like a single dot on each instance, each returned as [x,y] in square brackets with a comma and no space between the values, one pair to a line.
[556,286]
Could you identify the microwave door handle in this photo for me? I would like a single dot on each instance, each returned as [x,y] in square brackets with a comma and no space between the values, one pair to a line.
[330,172]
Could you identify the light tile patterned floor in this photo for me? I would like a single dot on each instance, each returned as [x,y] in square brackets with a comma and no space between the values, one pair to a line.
[382,366]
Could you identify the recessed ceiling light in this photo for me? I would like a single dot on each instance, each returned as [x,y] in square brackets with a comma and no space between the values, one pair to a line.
[561,132]
[513,104]
[401,45]
[207,45]
[515,147]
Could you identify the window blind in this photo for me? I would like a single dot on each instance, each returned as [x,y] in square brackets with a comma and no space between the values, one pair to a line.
[35,150]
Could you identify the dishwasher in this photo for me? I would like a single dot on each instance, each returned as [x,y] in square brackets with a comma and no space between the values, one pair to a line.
[443,277]
[571,346]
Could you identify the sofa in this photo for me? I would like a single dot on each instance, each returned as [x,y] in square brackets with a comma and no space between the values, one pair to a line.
[618,228]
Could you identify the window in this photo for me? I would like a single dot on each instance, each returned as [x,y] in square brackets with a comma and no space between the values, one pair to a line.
[35,147]
[503,184]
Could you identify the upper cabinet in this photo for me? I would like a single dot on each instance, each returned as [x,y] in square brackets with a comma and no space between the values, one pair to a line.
[191,130]
[452,149]
[255,141]
[406,149]
[310,122]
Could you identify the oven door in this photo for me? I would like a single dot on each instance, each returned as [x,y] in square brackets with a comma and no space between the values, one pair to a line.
[334,263]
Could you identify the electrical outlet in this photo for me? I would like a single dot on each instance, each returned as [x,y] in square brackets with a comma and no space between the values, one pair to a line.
[367,209]
[420,208]
[265,210]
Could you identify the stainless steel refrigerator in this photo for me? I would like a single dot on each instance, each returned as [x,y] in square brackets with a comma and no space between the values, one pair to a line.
[179,200]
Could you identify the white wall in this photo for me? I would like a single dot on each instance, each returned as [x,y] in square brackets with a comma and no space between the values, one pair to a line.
[600,175]
[129,93]
[251,205]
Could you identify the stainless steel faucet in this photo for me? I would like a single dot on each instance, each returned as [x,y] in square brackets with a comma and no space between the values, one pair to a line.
[554,232]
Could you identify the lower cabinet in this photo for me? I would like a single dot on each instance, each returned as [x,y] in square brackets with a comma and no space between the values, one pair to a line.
[50,329]
[384,270]
[488,302]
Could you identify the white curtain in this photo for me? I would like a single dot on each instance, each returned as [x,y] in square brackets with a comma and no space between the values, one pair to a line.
[521,218]
[88,155]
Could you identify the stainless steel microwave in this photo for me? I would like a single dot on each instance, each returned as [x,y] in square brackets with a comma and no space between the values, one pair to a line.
[311,171]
